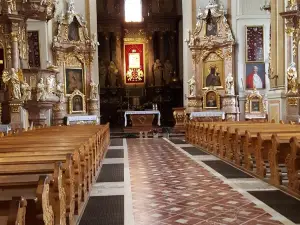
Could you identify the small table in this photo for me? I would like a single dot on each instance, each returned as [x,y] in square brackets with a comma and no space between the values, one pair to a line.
[207,116]
[82,119]
[142,118]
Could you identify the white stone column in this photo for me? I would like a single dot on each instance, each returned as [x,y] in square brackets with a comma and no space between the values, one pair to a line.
[187,24]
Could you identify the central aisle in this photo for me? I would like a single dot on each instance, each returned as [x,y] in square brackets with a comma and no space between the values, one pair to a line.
[170,187]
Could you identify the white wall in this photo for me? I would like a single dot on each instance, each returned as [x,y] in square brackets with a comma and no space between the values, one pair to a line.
[247,13]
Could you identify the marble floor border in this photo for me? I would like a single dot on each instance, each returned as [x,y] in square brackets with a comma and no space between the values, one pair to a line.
[113,161]
[128,205]
[247,195]
[115,147]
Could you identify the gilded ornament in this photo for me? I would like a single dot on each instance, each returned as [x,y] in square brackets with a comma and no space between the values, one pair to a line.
[293,101]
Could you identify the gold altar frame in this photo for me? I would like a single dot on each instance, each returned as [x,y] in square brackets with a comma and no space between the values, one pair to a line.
[246,44]
[83,69]
[77,93]
[144,61]
[218,101]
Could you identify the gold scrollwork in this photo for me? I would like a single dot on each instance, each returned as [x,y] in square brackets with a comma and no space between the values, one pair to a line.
[293,101]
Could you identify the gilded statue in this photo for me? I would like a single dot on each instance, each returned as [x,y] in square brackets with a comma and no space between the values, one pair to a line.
[11,79]
[229,84]
[25,91]
[157,71]
[292,78]
[93,91]
[41,94]
[168,71]
[60,91]
[192,87]
[113,73]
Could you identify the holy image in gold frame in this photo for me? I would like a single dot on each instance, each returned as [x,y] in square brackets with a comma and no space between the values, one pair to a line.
[213,71]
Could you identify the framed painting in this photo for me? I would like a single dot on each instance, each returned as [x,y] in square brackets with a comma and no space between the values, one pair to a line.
[254,43]
[255,76]
[77,103]
[211,100]
[74,80]
[213,72]
[255,106]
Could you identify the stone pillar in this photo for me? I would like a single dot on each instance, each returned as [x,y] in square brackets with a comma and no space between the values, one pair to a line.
[15,50]
[119,59]
[15,114]
[150,81]
[59,112]
[93,106]
[161,47]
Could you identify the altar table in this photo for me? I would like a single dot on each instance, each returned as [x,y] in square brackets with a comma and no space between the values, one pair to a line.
[208,115]
[82,119]
[142,118]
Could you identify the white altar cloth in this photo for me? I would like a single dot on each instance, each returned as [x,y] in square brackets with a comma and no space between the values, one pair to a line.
[150,112]
[207,114]
[85,118]
[5,128]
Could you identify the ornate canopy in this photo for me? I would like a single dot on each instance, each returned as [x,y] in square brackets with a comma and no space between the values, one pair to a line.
[73,37]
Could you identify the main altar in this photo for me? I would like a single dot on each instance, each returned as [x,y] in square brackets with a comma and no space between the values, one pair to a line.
[211,87]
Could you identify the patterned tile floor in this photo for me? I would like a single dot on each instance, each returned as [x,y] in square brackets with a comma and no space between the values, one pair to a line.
[168,187]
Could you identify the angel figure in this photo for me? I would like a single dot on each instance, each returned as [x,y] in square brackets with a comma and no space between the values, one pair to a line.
[229,84]
[41,94]
[292,78]
[11,79]
[60,91]
[93,91]
[26,91]
[192,86]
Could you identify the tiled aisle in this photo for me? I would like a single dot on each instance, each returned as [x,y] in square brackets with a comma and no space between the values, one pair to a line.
[173,185]
[107,200]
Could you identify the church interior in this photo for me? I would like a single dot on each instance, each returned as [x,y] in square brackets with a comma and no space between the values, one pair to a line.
[149,112]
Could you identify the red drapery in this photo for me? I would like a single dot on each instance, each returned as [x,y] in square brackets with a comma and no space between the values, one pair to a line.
[134,64]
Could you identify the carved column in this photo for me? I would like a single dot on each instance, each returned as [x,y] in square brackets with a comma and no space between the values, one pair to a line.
[15,50]
[151,60]
[161,47]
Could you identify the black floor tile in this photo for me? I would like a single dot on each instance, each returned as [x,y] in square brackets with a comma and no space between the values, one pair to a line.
[116,142]
[281,202]
[111,173]
[115,153]
[226,170]
[178,141]
[194,151]
[104,210]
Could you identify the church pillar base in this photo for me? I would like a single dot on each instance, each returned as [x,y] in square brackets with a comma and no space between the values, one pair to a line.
[230,107]
[194,104]
[277,106]
[15,114]
[59,113]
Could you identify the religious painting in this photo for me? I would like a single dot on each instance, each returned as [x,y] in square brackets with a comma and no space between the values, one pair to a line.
[213,74]
[34,49]
[211,100]
[74,80]
[77,102]
[211,28]
[255,76]
[255,105]
[254,44]
[134,63]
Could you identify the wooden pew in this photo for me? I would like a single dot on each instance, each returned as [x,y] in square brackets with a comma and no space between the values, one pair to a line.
[13,211]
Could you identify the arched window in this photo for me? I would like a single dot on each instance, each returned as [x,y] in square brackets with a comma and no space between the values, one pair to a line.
[133,11]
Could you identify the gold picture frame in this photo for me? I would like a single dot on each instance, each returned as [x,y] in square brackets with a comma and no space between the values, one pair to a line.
[254,103]
[74,78]
[213,71]
[259,47]
[77,103]
[211,99]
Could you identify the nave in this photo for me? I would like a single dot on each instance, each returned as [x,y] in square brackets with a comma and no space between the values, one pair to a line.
[160,181]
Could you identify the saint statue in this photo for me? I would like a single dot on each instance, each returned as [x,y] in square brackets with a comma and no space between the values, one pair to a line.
[41,94]
[11,79]
[60,91]
[157,71]
[192,86]
[102,73]
[26,91]
[113,73]
[93,91]
[168,71]
[292,78]
[229,84]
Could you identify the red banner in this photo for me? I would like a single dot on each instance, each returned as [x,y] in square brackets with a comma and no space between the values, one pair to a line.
[134,64]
